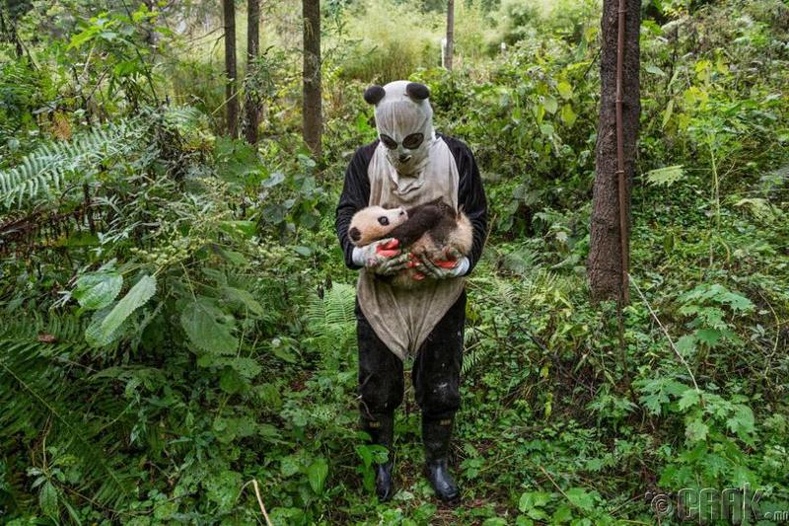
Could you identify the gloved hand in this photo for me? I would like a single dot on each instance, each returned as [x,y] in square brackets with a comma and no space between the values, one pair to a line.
[451,265]
[383,257]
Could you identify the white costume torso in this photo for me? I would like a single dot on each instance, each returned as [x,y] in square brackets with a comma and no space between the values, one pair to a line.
[403,318]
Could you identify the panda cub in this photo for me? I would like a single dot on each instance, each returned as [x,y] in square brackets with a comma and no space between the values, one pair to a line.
[433,228]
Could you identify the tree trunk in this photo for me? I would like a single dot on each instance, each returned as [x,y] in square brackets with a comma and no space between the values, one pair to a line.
[311,107]
[231,101]
[450,49]
[252,100]
[615,152]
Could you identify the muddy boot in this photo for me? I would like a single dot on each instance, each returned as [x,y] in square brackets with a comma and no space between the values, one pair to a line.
[436,435]
[381,431]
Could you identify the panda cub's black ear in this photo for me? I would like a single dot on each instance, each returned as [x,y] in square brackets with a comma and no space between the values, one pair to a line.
[417,91]
[374,94]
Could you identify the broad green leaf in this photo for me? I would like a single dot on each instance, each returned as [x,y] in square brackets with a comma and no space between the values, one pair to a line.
[243,298]
[98,289]
[581,498]
[208,328]
[742,422]
[565,90]
[550,104]
[533,499]
[48,499]
[247,368]
[94,335]
[567,115]
[688,399]
[665,176]
[317,473]
[108,329]
[655,70]
[231,382]
[289,466]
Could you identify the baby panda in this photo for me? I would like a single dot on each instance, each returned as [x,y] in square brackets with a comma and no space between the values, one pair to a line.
[433,228]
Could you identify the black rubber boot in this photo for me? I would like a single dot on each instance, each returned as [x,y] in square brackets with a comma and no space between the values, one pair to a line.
[381,431]
[436,435]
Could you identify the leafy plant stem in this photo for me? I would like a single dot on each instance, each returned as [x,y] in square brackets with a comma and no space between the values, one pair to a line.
[668,337]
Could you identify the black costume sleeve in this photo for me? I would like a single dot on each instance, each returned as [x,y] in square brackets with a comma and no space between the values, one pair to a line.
[355,196]
[471,196]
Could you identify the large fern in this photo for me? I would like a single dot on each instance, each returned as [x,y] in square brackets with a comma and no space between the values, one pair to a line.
[46,399]
[58,164]
[330,317]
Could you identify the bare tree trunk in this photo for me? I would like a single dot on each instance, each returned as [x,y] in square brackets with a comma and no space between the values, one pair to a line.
[231,101]
[311,107]
[615,152]
[252,100]
[450,49]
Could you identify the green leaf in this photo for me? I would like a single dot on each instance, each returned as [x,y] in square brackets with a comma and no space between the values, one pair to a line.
[48,499]
[247,229]
[317,473]
[533,499]
[550,104]
[243,298]
[231,382]
[686,345]
[655,70]
[106,330]
[96,290]
[696,430]
[567,115]
[565,90]
[665,176]
[669,111]
[742,422]
[580,498]
[208,328]
[688,399]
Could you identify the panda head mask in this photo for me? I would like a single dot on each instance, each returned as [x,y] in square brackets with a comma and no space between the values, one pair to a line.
[404,120]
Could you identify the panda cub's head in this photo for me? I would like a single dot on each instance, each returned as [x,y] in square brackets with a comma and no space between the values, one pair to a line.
[374,223]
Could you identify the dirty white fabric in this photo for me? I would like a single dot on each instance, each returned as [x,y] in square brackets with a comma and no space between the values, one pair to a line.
[397,116]
[403,318]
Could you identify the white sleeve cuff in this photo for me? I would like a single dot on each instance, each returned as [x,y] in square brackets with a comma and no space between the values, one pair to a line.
[358,256]
[462,267]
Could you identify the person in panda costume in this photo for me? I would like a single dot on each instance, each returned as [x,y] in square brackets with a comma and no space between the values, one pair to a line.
[409,165]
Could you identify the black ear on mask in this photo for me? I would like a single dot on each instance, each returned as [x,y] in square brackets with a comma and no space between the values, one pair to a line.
[374,94]
[417,91]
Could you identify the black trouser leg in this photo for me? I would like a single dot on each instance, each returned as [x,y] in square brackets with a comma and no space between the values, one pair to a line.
[380,393]
[436,377]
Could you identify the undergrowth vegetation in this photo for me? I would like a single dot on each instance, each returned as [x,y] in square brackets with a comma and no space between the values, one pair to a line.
[177,330]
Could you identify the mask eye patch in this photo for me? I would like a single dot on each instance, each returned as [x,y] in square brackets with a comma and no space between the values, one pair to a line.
[388,141]
[383,220]
[413,141]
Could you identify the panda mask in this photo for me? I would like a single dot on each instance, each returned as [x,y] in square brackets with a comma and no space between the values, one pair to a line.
[404,120]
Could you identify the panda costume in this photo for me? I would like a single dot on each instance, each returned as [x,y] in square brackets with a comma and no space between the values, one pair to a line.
[409,165]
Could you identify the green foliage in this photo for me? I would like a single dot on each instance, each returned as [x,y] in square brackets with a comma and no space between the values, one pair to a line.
[177,329]
[58,167]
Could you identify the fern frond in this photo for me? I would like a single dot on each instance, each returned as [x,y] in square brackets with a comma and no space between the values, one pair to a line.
[331,319]
[336,307]
[57,164]
[39,391]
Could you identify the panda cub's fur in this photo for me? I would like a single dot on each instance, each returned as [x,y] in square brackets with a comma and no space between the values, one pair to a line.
[433,228]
